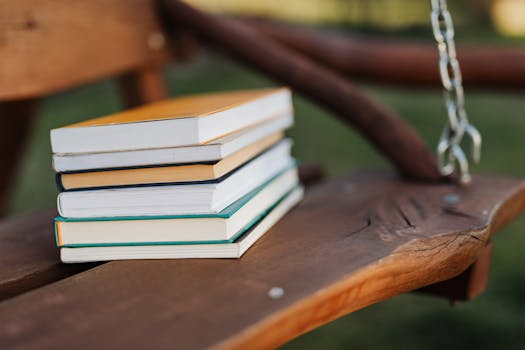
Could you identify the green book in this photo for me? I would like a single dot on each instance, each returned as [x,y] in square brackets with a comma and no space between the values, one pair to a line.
[223,227]
[235,249]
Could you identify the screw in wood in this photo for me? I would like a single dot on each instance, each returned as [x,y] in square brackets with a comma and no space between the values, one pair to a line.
[451,198]
[275,293]
[156,41]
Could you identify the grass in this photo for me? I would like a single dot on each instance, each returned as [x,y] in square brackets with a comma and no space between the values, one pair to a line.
[494,320]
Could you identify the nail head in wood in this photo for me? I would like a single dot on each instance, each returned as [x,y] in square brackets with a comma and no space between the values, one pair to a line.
[156,41]
[451,198]
[276,293]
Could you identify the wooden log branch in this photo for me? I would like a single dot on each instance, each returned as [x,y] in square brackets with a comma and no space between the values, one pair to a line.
[383,128]
[398,62]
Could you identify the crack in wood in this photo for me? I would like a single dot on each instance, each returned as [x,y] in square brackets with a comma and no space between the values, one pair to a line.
[419,208]
[405,217]
[473,236]
[441,246]
[367,224]
[456,212]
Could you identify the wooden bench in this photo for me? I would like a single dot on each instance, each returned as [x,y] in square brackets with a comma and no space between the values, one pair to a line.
[352,242]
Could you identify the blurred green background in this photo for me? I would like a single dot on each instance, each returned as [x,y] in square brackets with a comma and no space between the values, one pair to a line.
[494,320]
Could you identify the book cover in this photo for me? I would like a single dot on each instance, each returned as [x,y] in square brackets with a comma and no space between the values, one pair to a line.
[234,249]
[182,121]
[185,227]
[193,106]
[169,173]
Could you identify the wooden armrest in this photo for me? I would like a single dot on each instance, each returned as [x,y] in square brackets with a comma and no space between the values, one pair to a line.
[351,243]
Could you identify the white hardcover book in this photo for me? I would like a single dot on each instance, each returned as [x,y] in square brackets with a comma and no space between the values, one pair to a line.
[183,121]
[223,226]
[215,150]
[174,251]
[178,199]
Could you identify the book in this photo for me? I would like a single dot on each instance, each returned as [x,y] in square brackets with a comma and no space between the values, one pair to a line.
[189,120]
[187,198]
[213,151]
[222,227]
[183,251]
[165,174]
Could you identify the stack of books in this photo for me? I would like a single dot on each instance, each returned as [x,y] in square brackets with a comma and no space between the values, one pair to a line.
[200,176]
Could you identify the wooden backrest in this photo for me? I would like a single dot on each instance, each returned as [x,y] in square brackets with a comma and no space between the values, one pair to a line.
[51,46]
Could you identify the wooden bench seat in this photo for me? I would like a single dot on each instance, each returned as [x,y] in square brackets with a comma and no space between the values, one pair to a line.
[350,243]
[29,255]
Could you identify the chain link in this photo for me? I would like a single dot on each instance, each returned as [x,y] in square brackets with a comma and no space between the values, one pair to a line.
[449,151]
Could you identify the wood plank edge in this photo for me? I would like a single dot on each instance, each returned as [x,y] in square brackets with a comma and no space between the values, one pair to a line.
[414,265]
[41,278]
[468,284]
[61,86]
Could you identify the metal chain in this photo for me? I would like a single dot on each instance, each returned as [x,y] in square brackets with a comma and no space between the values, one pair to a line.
[449,151]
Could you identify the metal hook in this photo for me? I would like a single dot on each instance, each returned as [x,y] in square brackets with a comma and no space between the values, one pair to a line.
[475,139]
[464,175]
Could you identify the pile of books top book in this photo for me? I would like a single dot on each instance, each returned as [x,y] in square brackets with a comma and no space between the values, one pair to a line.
[200,176]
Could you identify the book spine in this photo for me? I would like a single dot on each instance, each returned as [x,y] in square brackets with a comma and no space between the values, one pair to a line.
[55,229]
[58,181]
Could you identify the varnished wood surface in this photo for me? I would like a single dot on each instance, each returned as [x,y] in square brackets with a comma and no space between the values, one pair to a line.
[349,244]
[28,254]
[48,46]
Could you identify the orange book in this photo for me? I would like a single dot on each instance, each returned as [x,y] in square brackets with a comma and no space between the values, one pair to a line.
[183,121]
[166,174]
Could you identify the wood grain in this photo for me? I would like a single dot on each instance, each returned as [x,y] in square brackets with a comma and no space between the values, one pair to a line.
[399,62]
[28,254]
[467,285]
[30,257]
[350,243]
[383,128]
[49,46]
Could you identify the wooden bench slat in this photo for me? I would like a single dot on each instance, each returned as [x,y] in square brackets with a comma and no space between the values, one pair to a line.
[28,254]
[49,46]
[28,249]
[350,243]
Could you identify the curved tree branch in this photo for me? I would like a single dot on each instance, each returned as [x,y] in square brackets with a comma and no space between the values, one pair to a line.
[383,128]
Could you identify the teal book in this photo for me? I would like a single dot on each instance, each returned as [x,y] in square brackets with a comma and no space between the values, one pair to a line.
[234,249]
[163,199]
[223,227]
